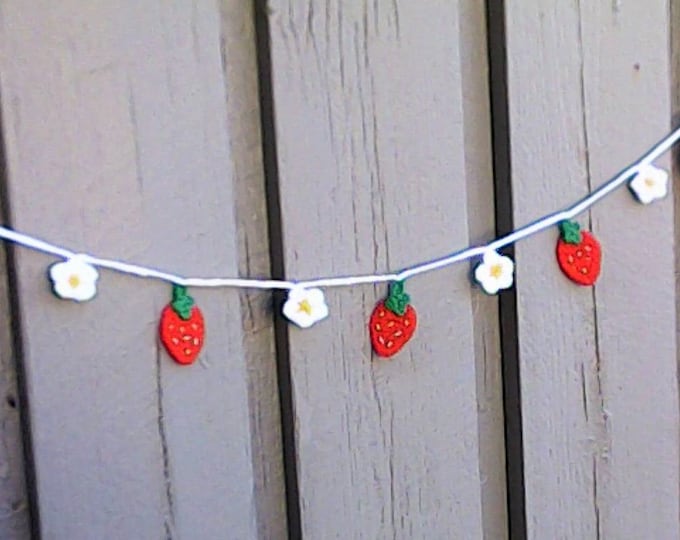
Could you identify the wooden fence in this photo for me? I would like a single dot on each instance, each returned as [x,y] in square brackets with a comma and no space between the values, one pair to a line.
[298,139]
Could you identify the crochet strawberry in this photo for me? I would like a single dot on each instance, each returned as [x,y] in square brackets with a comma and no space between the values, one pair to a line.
[392,322]
[182,330]
[578,254]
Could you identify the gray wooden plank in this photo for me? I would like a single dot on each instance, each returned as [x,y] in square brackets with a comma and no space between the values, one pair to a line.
[371,143]
[675,102]
[481,224]
[116,131]
[14,504]
[239,50]
[556,329]
[640,498]
[588,92]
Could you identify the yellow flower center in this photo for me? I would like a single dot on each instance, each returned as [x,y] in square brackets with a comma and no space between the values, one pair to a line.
[496,271]
[74,281]
[649,182]
[305,306]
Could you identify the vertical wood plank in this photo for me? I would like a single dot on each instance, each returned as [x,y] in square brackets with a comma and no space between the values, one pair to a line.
[14,503]
[588,93]
[638,368]
[675,102]
[118,142]
[243,114]
[372,160]
[481,223]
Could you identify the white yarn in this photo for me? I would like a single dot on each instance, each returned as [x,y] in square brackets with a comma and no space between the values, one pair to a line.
[341,281]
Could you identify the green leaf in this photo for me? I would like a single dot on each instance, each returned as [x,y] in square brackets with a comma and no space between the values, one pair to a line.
[182,303]
[398,300]
[571,232]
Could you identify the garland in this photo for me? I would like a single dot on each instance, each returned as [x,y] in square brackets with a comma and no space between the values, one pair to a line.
[393,320]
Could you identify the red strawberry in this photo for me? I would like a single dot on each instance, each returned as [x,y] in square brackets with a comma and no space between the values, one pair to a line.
[182,329]
[392,322]
[578,253]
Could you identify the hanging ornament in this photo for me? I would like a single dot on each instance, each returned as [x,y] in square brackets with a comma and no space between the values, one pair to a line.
[74,279]
[495,272]
[305,307]
[578,254]
[182,329]
[392,322]
[649,184]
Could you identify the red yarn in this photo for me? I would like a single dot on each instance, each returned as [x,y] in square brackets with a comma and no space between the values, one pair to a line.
[183,339]
[389,331]
[580,262]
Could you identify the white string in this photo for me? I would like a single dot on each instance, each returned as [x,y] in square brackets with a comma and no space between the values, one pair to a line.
[468,253]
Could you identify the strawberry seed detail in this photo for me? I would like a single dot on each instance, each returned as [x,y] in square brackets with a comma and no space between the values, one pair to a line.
[392,322]
[579,254]
[182,329]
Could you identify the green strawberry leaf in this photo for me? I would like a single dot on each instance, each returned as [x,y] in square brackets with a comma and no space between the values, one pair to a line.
[397,301]
[571,232]
[182,303]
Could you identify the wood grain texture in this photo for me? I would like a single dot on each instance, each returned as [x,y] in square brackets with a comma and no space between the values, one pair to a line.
[117,142]
[675,102]
[371,145]
[481,224]
[14,502]
[243,114]
[588,93]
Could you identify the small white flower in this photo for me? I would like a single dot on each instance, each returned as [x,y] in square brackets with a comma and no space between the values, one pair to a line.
[305,307]
[650,184]
[495,272]
[74,279]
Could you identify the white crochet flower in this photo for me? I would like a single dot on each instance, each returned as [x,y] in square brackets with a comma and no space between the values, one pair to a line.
[74,279]
[649,184]
[305,307]
[495,272]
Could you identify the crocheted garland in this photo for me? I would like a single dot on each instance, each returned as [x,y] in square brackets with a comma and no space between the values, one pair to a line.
[393,320]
